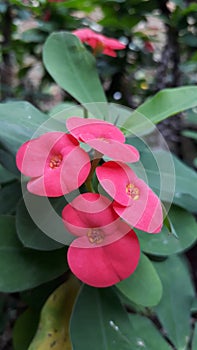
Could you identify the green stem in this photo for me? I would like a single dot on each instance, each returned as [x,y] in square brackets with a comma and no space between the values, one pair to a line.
[85,112]
[95,162]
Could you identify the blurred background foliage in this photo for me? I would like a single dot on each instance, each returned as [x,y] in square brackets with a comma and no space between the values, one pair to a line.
[161,52]
[161,43]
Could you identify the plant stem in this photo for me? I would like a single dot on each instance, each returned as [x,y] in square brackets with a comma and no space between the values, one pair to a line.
[95,162]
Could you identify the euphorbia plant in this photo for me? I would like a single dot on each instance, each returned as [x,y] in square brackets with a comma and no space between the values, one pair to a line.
[89,170]
[58,166]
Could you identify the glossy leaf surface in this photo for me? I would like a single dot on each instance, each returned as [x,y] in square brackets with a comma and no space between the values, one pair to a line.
[23,268]
[143,286]
[174,308]
[100,321]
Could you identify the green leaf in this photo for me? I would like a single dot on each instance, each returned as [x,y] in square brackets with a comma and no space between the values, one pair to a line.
[169,102]
[164,104]
[100,321]
[180,3]
[62,108]
[164,169]
[81,5]
[29,233]
[186,201]
[190,134]
[73,67]
[10,195]
[44,223]
[165,243]
[143,286]
[33,36]
[123,23]
[24,329]
[189,40]
[194,306]
[178,293]
[61,112]
[5,175]
[36,297]
[148,335]
[8,161]
[191,8]
[18,122]
[23,268]
[194,340]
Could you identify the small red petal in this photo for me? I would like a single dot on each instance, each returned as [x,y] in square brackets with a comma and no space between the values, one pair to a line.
[146,216]
[142,210]
[70,175]
[32,156]
[95,40]
[114,178]
[90,129]
[109,52]
[115,150]
[86,211]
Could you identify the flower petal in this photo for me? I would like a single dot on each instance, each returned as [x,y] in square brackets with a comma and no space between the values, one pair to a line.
[114,44]
[109,52]
[70,175]
[88,210]
[104,137]
[89,128]
[146,216]
[114,178]
[108,265]
[32,155]
[96,40]
[83,33]
[142,208]
[115,150]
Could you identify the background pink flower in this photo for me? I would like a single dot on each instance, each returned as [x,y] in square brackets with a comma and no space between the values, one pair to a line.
[149,46]
[134,202]
[99,42]
[105,137]
[106,249]
[55,163]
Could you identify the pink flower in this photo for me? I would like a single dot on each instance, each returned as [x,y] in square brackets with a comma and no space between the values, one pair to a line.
[99,42]
[134,202]
[55,163]
[106,250]
[105,137]
[149,46]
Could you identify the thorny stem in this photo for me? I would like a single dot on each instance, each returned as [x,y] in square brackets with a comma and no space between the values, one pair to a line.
[96,159]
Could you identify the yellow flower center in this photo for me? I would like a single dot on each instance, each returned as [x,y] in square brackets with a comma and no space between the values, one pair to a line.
[133,191]
[55,161]
[95,235]
[103,139]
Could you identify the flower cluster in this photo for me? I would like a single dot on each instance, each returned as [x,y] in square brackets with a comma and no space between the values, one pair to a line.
[105,249]
[99,43]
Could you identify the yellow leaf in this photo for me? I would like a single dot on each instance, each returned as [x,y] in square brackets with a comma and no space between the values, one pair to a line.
[53,328]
